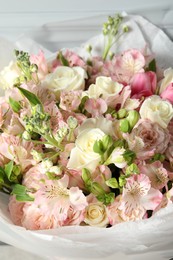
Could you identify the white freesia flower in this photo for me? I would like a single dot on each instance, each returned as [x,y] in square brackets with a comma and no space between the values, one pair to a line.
[168,78]
[117,158]
[82,155]
[104,87]
[96,215]
[66,78]
[157,110]
[8,75]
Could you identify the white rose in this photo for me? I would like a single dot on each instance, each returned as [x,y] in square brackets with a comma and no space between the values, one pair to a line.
[82,155]
[96,215]
[66,78]
[105,88]
[8,75]
[157,110]
[168,78]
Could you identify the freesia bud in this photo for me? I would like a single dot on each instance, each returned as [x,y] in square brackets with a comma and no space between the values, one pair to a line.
[122,113]
[26,136]
[124,125]
[133,117]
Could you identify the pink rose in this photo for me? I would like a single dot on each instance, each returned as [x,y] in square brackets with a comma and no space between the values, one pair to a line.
[143,84]
[168,93]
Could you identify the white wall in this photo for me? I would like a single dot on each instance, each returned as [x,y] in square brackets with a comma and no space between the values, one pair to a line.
[21,16]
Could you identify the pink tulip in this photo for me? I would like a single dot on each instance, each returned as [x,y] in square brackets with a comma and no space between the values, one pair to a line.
[168,93]
[143,84]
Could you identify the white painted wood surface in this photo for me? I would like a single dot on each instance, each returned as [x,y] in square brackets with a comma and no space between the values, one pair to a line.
[21,16]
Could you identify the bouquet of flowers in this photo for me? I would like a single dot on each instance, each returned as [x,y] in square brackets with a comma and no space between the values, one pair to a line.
[86,141]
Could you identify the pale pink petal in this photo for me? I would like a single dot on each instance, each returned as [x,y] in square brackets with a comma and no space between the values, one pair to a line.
[152,199]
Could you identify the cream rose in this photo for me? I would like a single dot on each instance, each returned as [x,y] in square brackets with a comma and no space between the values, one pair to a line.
[96,215]
[105,87]
[8,75]
[66,78]
[82,155]
[157,110]
[168,78]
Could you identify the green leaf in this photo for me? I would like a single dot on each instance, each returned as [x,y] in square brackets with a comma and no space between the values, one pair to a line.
[15,105]
[2,174]
[106,198]
[63,60]
[9,169]
[98,147]
[112,183]
[21,193]
[129,156]
[157,157]
[106,142]
[120,143]
[97,189]
[32,98]
[132,169]
[82,104]
[86,175]
[151,66]
[122,180]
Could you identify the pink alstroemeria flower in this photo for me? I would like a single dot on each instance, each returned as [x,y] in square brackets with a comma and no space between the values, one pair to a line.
[41,63]
[157,174]
[96,107]
[139,196]
[122,68]
[52,205]
[70,100]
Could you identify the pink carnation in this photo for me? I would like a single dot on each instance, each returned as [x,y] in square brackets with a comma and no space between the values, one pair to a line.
[147,138]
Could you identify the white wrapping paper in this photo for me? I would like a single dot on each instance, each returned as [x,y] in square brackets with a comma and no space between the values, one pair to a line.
[146,239]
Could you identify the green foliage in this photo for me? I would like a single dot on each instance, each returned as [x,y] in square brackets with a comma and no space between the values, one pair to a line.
[151,66]
[129,156]
[21,193]
[63,60]
[15,105]
[32,98]
[112,183]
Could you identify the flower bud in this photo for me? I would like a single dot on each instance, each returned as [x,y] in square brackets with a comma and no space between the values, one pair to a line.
[72,122]
[122,113]
[124,125]
[133,117]
[26,136]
